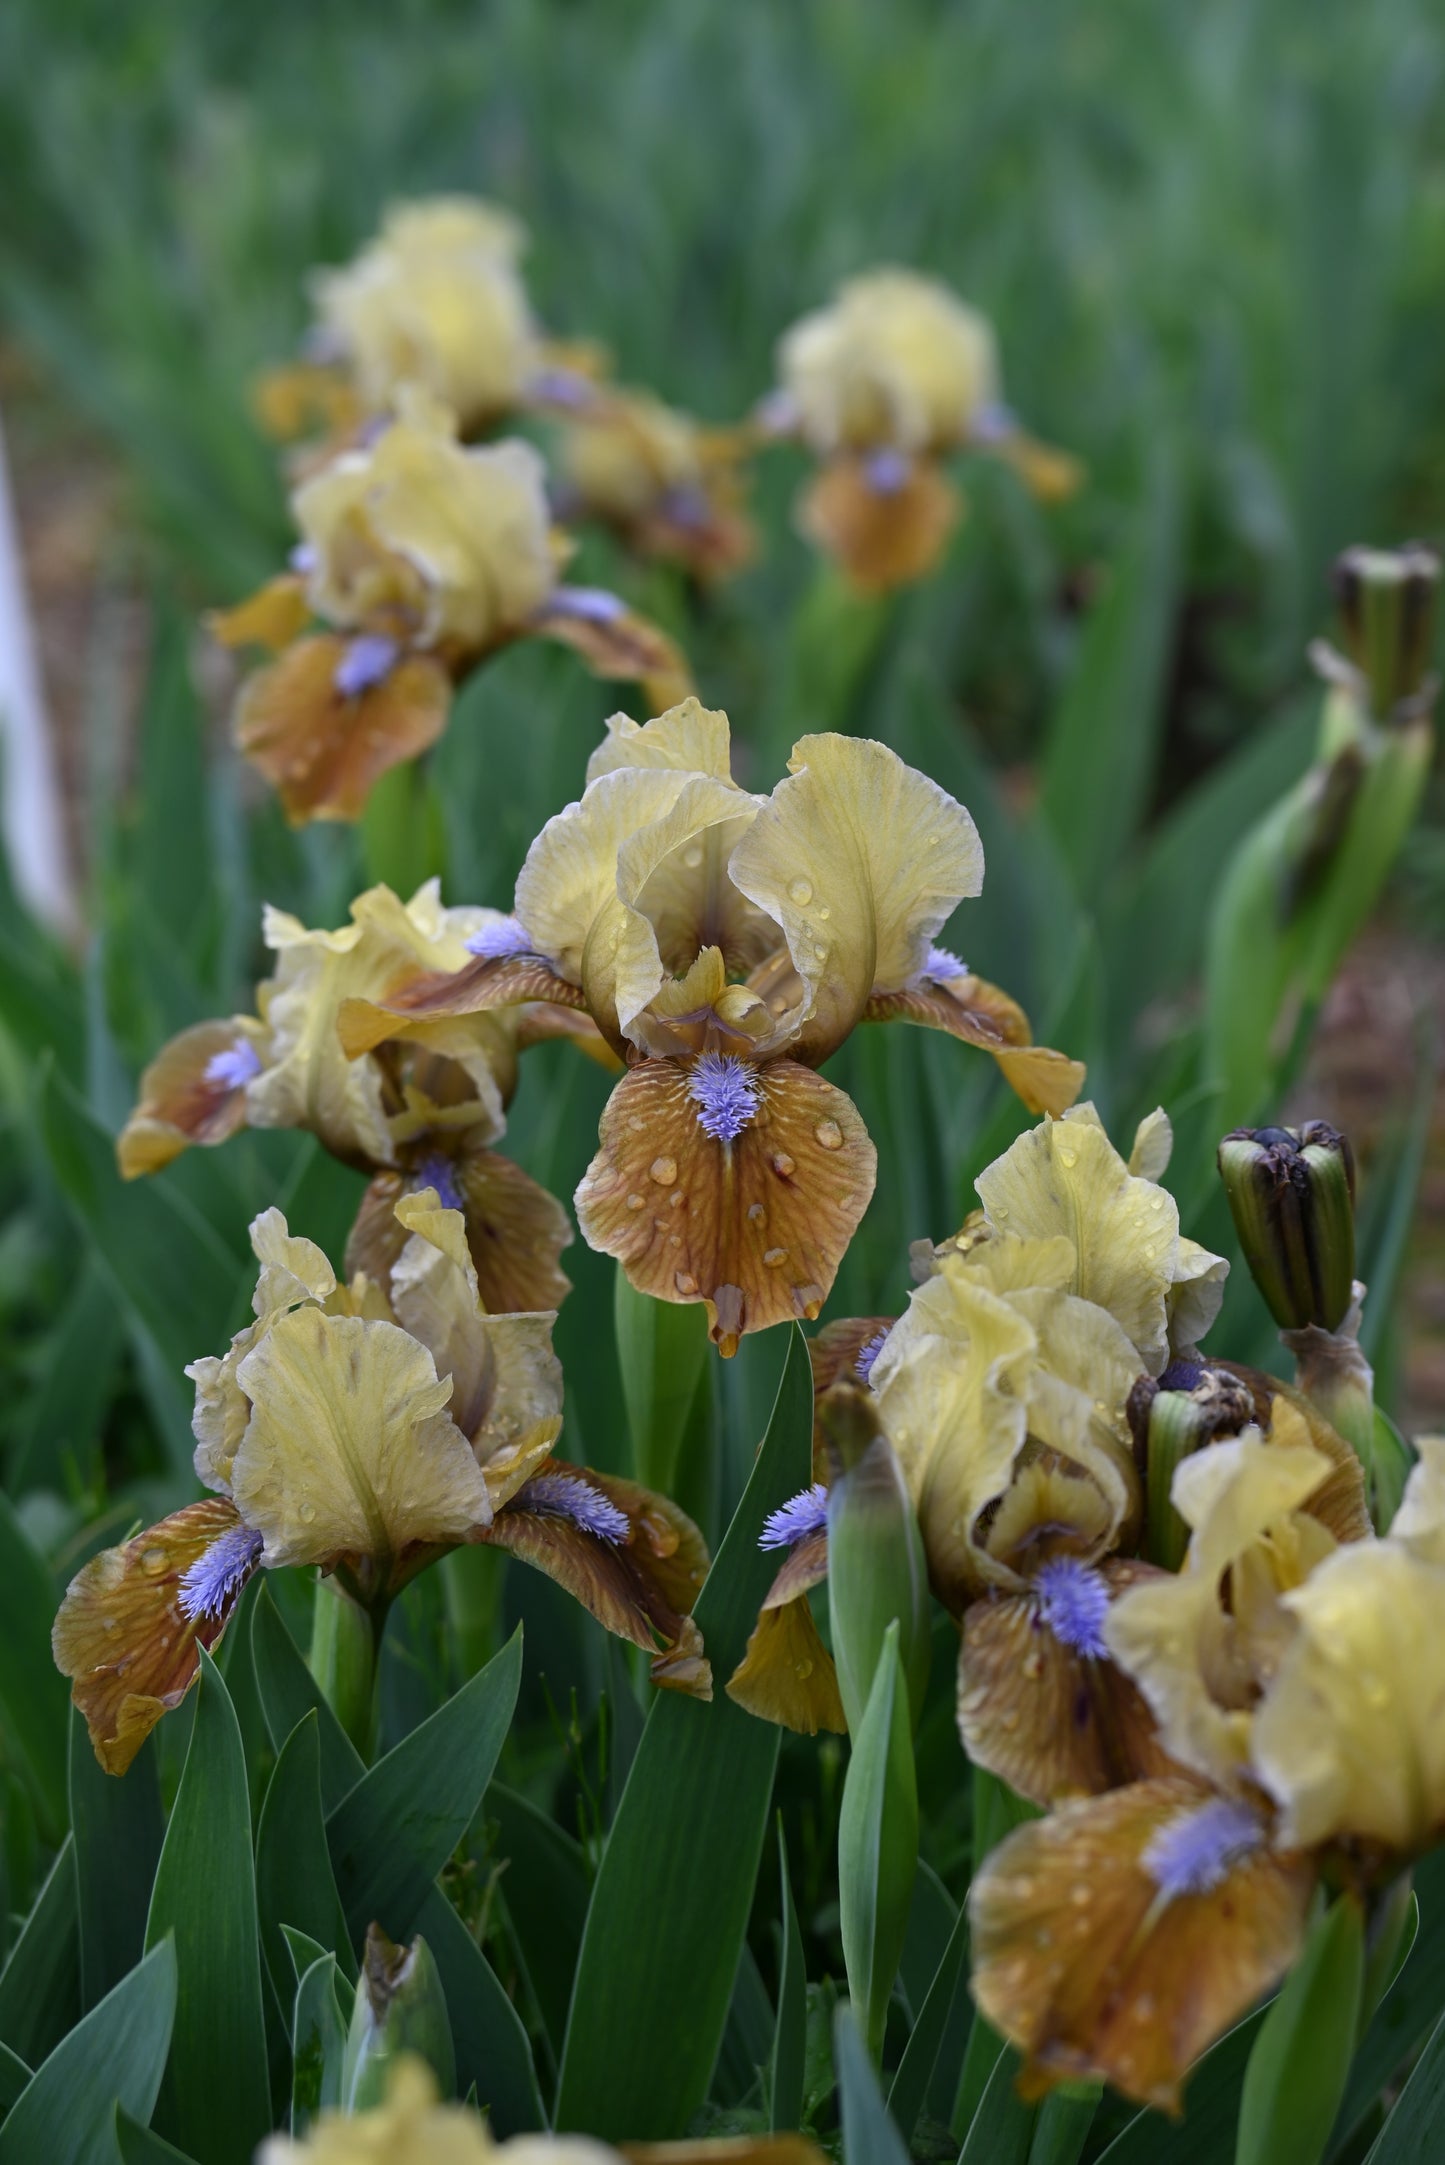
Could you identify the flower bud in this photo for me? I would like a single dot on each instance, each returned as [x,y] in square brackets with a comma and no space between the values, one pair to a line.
[876,1568]
[1292,1196]
[1191,1405]
[1387,619]
[400,2008]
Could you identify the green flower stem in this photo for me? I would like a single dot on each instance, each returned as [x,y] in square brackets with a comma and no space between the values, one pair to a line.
[472,1579]
[344,1659]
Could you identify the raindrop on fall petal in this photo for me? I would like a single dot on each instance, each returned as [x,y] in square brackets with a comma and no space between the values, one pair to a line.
[828,1135]
[153,1561]
[801,892]
[664,1171]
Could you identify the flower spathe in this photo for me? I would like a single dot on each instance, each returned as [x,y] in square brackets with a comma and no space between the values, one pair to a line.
[882,385]
[366,1432]
[419,556]
[424,1110]
[725,945]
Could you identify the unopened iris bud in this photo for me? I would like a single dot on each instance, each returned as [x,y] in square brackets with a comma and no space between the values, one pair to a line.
[400,2009]
[1387,618]
[1190,1405]
[1292,1196]
[876,1568]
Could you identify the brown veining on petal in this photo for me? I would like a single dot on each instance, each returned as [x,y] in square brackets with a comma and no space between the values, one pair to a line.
[627,646]
[122,1637]
[881,539]
[797,1179]
[492,981]
[181,1102]
[322,751]
[980,1014]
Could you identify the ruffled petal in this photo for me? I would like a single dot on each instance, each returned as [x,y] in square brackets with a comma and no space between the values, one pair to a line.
[755,1226]
[860,859]
[689,738]
[123,1636]
[194,1091]
[323,750]
[620,644]
[1092,1970]
[349,1454]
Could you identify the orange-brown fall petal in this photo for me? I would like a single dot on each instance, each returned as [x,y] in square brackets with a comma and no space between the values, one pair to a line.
[787,1674]
[642,1588]
[970,1008]
[322,751]
[1090,1972]
[180,1103]
[516,1231]
[626,646]
[1046,1719]
[880,539]
[756,1227]
[122,1637]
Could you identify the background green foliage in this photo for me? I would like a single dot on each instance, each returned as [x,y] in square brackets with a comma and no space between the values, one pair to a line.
[1213,241]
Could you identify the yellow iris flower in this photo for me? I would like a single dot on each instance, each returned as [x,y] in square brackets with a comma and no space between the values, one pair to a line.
[725,945]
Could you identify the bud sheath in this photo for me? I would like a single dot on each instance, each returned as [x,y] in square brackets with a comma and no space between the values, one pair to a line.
[1292,1196]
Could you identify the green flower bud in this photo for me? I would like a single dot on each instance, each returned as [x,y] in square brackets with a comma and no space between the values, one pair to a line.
[1387,619]
[876,1568]
[1292,1196]
[1190,1406]
[400,2008]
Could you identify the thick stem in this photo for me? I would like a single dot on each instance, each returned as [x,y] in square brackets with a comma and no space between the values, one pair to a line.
[472,1578]
[344,1659]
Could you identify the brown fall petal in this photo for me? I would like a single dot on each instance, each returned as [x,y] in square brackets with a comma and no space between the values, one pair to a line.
[642,1588]
[625,646]
[881,539]
[515,1231]
[435,995]
[756,1227]
[970,1008]
[322,751]
[1046,1719]
[787,1674]
[181,1102]
[122,1637]
[1085,1967]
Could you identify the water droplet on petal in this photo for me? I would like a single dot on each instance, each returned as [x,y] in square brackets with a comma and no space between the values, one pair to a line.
[306,1512]
[692,857]
[774,1256]
[828,1135]
[756,1213]
[783,1165]
[685,1282]
[664,1171]
[153,1560]
[801,892]
[636,1202]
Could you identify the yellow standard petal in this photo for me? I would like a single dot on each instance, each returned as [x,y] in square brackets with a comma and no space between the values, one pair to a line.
[754,1227]
[1065,1176]
[349,1453]
[860,859]
[1350,1735]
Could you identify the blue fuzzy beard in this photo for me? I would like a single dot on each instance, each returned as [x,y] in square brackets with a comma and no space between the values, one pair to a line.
[725,1091]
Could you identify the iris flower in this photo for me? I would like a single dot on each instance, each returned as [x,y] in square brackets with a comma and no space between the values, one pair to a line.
[418,557]
[667,486]
[1003,1390]
[1294,1668]
[367,1433]
[423,1111]
[882,386]
[413,2128]
[725,945]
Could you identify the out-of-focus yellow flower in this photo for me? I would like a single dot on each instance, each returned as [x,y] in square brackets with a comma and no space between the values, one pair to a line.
[421,556]
[412,2128]
[366,1433]
[424,1110]
[436,299]
[667,486]
[726,945]
[881,385]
